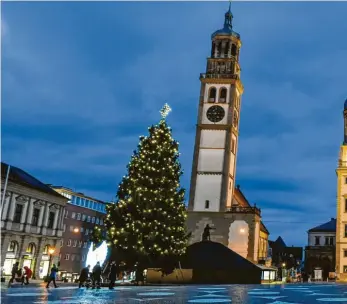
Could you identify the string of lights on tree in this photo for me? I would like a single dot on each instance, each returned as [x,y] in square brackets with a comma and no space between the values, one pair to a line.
[149,216]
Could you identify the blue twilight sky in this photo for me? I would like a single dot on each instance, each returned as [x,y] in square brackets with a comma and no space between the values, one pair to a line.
[82,81]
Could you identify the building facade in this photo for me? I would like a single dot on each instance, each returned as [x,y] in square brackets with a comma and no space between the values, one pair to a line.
[320,252]
[213,199]
[82,214]
[341,212]
[285,257]
[31,222]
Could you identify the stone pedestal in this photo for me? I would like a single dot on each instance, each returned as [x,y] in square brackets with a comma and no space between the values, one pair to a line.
[235,231]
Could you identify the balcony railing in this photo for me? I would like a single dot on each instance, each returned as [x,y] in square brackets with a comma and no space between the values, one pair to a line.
[321,247]
[219,76]
[246,210]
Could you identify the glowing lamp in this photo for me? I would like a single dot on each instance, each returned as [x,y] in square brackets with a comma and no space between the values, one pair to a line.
[242,230]
[284,264]
[76,230]
[51,250]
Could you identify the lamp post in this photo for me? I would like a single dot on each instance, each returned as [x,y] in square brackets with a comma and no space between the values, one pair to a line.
[283,271]
[51,250]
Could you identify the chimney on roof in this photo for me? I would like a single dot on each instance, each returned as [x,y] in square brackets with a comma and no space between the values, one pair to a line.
[238,186]
[332,219]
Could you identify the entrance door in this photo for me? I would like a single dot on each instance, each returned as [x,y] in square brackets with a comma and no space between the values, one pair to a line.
[27,262]
[8,264]
[44,269]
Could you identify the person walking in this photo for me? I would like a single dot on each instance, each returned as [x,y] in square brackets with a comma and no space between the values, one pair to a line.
[14,272]
[26,275]
[84,275]
[113,275]
[97,275]
[52,276]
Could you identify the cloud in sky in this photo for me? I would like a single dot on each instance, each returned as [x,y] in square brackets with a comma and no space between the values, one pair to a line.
[81,82]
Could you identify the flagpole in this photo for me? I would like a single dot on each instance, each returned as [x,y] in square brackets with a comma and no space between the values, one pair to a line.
[5,186]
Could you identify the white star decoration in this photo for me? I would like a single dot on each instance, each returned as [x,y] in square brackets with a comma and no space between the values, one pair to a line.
[165,111]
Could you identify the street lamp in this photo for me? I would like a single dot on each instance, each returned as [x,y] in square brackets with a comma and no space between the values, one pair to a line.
[242,230]
[283,271]
[76,230]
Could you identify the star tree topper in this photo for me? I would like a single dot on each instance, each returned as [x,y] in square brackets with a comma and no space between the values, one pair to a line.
[165,111]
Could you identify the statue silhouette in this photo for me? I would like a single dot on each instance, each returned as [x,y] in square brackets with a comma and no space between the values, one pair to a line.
[206,236]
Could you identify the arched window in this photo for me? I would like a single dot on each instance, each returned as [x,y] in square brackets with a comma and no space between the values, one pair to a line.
[45,249]
[212,49]
[223,95]
[233,50]
[12,247]
[226,49]
[219,49]
[31,248]
[212,95]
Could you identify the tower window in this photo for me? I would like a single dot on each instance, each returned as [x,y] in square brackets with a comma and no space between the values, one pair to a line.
[226,49]
[223,95]
[219,49]
[345,204]
[207,204]
[212,49]
[345,180]
[229,185]
[345,230]
[317,240]
[233,50]
[212,95]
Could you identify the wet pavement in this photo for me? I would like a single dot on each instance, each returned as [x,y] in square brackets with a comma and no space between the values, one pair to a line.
[236,294]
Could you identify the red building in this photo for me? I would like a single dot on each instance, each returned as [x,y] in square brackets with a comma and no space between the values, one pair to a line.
[82,214]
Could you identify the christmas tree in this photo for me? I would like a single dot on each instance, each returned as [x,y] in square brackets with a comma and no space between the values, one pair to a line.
[147,224]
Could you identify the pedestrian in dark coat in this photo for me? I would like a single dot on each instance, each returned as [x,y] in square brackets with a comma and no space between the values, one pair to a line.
[97,275]
[52,276]
[14,272]
[84,275]
[113,274]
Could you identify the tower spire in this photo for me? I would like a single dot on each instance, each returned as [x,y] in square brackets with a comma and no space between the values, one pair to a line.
[228,18]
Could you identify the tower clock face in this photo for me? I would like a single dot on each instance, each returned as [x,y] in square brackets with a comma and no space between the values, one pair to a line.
[215,114]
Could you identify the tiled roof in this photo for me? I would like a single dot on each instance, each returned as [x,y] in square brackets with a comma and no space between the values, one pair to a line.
[263,228]
[279,243]
[242,200]
[23,178]
[326,227]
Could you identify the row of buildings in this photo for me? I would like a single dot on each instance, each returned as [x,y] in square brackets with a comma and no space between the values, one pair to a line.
[43,224]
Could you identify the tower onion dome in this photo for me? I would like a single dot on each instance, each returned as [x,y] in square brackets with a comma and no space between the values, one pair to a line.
[345,105]
[227,30]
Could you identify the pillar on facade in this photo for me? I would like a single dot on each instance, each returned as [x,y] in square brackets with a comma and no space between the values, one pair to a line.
[5,242]
[37,258]
[10,212]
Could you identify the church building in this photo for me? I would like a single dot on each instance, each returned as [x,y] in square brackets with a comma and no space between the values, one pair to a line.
[214,200]
[341,220]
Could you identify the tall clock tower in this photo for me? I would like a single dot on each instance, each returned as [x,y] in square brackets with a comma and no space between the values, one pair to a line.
[214,162]
[341,219]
